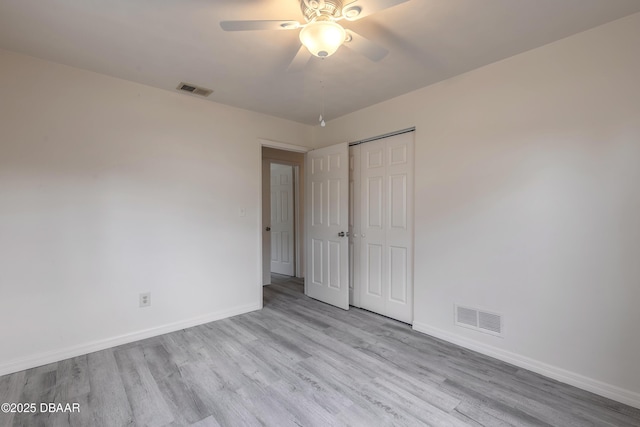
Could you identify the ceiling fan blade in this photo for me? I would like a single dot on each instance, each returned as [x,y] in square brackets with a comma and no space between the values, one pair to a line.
[360,8]
[259,25]
[364,46]
[300,61]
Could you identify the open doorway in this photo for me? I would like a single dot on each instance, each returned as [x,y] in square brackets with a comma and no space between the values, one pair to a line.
[282,213]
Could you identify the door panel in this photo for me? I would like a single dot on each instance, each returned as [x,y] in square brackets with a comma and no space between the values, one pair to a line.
[335,206]
[282,235]
[386,227]
[285,247]
[317,194]
[374,202]
[374,157]
[334,266]
[372,231]
[398,155]
[374,270]
[335,162]
[266,222]
[398,198]
[399,236]
[317,264]
[398,274]
[327,183]
[275,247]
[316,165]
[354,220]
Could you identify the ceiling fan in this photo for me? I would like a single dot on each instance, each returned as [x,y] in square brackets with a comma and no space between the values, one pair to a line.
[322,35]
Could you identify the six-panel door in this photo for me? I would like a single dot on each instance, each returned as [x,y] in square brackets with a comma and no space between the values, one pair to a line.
[282,227]
[385,227]
[327,269]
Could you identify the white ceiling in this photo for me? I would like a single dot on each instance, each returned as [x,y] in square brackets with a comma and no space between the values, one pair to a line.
[163,42]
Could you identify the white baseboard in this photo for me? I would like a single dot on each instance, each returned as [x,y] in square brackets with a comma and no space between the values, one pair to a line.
[90,347]
[589,384]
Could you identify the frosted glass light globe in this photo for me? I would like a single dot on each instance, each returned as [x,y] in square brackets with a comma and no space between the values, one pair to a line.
[322,38]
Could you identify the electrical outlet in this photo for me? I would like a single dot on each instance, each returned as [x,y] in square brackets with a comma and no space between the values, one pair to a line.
[145,299]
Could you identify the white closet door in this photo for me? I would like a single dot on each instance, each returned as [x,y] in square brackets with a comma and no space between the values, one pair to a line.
[327,209]
[386,227]
[373,227]
[282,235]
[399,243]
[354,221]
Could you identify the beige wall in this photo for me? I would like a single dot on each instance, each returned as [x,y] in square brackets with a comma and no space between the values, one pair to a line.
[527,203]
[110,188]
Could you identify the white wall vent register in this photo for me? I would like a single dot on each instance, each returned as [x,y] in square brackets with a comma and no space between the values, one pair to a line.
[195,90]
[479,320]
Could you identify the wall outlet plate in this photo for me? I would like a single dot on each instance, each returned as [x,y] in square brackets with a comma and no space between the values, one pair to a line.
[145,299]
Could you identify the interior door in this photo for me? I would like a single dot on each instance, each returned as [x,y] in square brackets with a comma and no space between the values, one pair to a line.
[327,208]
[373,227]
[266,222]
[282,253]
[399,223]
[386,227]
[354,221]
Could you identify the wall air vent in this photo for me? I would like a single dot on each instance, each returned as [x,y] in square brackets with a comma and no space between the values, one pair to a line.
[195,90]
[479,320]
[490,322]
[467,316]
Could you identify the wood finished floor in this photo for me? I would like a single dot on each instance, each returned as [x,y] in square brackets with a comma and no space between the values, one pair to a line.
[299,362]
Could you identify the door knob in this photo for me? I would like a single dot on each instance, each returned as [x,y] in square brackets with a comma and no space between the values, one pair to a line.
[268,228]
[341,234]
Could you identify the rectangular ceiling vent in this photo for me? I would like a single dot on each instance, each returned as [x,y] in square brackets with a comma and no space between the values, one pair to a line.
[195,90]
[479,320]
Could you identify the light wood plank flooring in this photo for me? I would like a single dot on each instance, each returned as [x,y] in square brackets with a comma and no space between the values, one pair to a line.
[299,362]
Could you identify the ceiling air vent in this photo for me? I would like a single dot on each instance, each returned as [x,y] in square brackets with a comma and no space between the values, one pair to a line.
[479,320]
[195,90]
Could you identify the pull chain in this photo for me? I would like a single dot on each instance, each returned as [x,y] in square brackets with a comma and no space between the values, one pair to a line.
[322,88]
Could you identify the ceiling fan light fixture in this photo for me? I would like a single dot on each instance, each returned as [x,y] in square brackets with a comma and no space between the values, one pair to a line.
[322,37]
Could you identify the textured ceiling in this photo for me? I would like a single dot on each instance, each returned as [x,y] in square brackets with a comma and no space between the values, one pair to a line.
[163,42]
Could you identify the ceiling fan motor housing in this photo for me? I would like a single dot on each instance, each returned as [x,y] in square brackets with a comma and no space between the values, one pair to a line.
[314,8]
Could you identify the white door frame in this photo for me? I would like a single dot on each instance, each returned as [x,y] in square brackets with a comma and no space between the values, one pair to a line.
[285,147]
